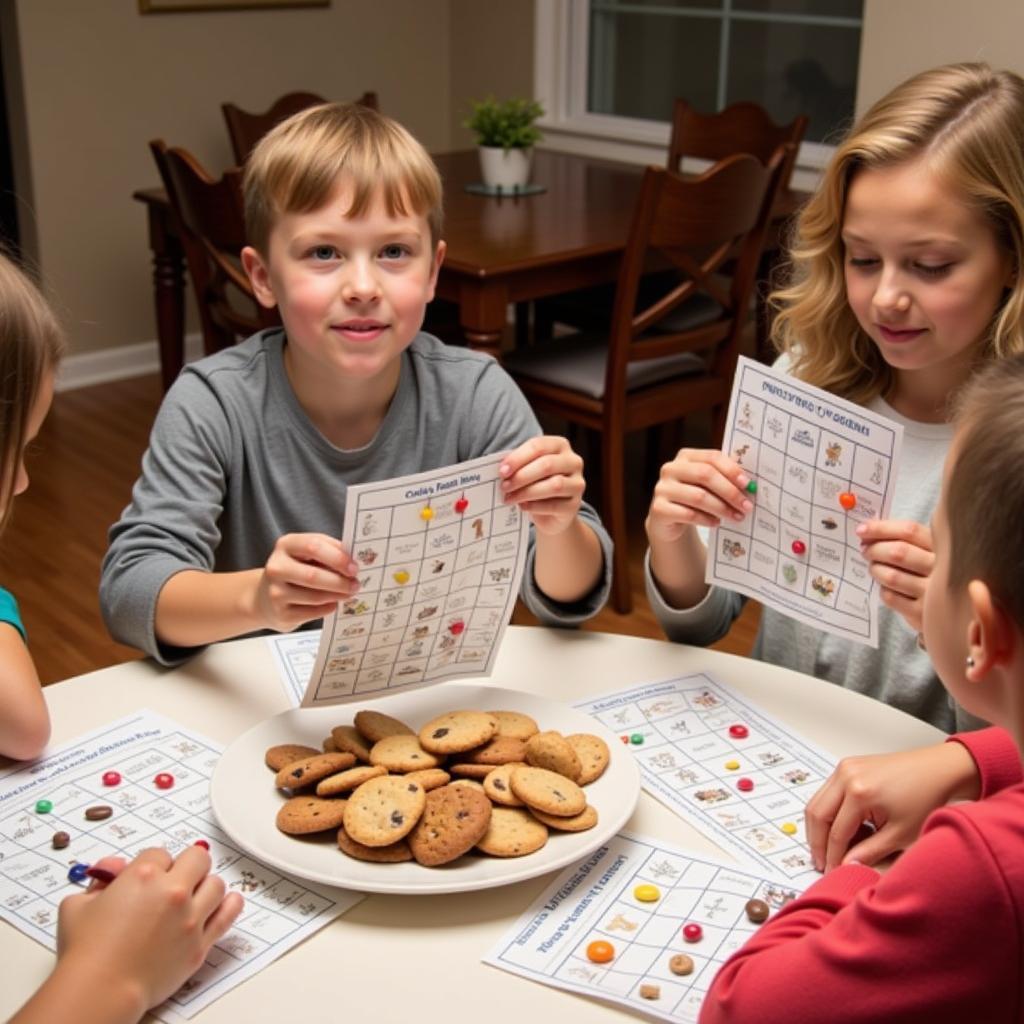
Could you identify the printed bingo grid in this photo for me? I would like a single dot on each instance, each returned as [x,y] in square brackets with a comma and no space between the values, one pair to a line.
[732,771]
[34,876]
[441,559]
[593,910]
[821,466]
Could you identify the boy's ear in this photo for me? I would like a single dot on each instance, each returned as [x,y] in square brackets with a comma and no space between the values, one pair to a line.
[442,248]
[991,636]
[259,277]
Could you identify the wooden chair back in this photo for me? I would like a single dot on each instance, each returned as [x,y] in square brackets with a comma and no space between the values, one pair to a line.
[246,129]
[740,128]
[710,230]
[212,227]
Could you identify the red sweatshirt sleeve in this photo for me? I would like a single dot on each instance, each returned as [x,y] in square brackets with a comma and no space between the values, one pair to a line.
[935,939]
[996,755]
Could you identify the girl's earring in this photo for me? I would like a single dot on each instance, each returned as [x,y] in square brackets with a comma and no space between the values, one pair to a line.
[969,662]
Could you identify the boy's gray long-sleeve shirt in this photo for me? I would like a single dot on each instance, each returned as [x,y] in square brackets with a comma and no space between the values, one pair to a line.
[234,463]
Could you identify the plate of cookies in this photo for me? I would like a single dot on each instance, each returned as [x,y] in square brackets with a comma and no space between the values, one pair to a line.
[450,788]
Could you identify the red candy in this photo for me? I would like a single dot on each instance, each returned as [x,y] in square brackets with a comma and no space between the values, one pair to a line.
[461,505]
[739,732]
[745,785]
[799,547]
[203,843]
[164,780]
[625,739]
[111,778]
[456,627]
[693,932]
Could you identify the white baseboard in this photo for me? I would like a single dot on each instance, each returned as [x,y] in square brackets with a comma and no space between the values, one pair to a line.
[122,363]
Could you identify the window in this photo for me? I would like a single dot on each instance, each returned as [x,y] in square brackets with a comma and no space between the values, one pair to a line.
[610,69]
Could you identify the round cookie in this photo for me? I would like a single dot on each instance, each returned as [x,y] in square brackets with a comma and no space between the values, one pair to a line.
[454,820]
[302,815]
[512,833]
[308,770]
[402,754]
[351,778]
[349,738]
[587,818]
[516,724]
[469,784]
[287,753]
[471,771]
[497,750]
[384,810]
[457,731]
[375,725]
[547,791]
[430,778]
[551,750]
[593,753]
[498,787]
[396,853]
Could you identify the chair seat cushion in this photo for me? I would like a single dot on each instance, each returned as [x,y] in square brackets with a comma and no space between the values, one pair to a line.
[578,363]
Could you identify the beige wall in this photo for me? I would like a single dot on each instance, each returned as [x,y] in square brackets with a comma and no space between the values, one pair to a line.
[100,80]
[492,52]
[902,37]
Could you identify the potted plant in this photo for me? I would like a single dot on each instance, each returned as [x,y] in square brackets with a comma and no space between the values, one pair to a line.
[505,132]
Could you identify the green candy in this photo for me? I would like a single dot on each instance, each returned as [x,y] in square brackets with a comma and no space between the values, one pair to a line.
[637,738]
[752,487]
[44,806]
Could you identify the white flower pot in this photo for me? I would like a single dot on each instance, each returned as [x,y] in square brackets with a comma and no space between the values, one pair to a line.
[505,168]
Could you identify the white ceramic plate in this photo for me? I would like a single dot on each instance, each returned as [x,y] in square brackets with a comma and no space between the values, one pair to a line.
[246,803]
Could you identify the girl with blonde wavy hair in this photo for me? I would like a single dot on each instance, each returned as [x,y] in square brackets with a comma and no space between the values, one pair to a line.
[903,281]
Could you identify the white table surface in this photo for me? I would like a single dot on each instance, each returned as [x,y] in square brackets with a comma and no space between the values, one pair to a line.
[417,958]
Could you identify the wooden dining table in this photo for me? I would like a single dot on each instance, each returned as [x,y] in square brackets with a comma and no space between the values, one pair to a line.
[501,250]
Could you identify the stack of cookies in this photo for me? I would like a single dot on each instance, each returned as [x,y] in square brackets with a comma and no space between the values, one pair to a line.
[489,781]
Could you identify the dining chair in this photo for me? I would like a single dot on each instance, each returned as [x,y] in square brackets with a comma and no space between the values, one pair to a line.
[246,129]
[709,231]
[211,222]
[740,128]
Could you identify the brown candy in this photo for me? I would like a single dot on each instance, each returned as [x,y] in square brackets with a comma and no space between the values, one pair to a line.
[99,812]
[757,910]
[650,991]
[60,840]
[681,964]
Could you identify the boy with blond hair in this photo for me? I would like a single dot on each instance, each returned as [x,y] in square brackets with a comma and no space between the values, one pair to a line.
[232,525]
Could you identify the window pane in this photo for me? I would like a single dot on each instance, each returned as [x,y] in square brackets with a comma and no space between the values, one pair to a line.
[795,69]
[612,4]
[640,63]
[820,8]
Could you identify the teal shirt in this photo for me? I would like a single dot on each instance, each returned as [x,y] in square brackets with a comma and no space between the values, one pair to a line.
[9,611]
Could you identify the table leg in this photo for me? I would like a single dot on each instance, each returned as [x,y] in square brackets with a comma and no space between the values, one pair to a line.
[483,311]
[168,294]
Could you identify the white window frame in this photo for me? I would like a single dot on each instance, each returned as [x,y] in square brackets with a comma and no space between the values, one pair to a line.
[561,53]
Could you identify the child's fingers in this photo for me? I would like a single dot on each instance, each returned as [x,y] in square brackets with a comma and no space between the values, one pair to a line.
[910,608]
[906,583]
[707,501]
[900,555]
[191,866]
[208,896]
[530,451]
[876,847]
[318,549]
[545,488]
[819,814]
[223,917]
[847,821]
[709,481]
[915,534]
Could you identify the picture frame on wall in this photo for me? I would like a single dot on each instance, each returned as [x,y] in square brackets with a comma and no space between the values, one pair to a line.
[180,6]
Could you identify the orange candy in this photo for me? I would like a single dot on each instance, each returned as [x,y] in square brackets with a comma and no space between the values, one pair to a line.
[848,500]
[600,952]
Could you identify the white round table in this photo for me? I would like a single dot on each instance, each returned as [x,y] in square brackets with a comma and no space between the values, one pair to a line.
[417,958]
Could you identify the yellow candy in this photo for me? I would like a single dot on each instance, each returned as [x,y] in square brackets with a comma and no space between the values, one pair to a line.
[427,514]
[401,576]
[647,893]
[732,765]
[789,828]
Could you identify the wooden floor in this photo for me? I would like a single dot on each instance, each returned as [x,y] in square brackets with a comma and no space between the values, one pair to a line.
[82,467]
